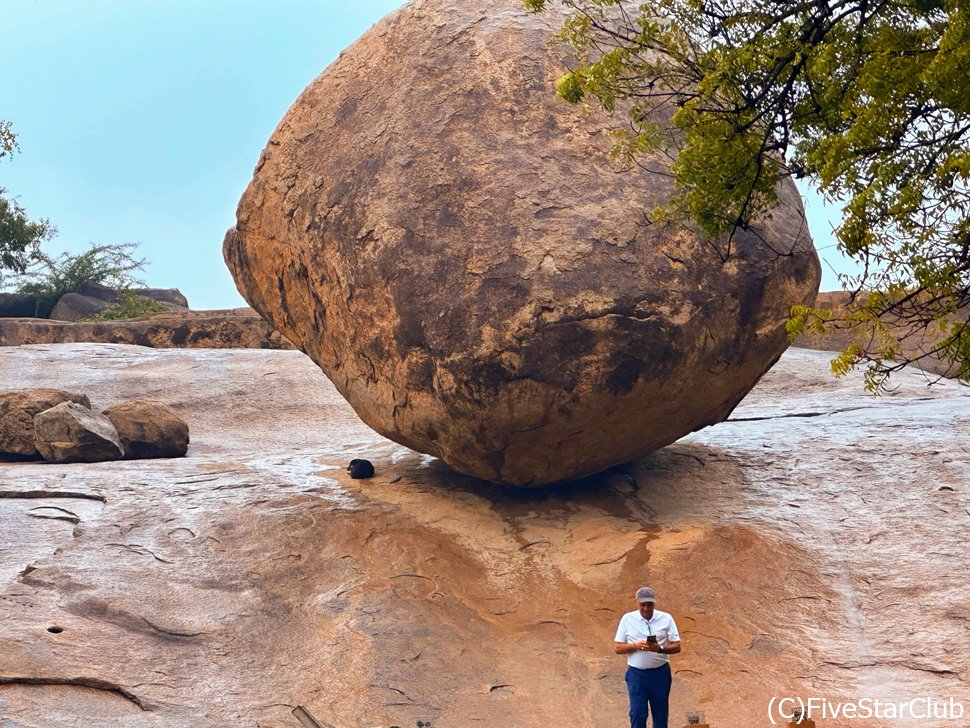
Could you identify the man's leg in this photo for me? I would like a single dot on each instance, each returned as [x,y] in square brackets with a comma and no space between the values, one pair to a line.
[658,694]
[638,698]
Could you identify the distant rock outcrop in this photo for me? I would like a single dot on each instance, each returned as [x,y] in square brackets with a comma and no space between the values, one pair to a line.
[451,244]
[75,307]
[89,299]
[72,433]
[149,429]
[17,410]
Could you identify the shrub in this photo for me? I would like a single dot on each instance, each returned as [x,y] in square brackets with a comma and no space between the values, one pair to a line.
[131,306]
[107,265]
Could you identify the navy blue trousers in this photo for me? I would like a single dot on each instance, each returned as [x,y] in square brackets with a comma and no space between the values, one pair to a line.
[649,691]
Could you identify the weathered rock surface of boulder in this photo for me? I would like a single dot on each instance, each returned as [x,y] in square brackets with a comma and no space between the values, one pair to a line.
[149,429]
[75,306]
[72,433]
[17,410]
[224,588]
[453,247]
[240,328]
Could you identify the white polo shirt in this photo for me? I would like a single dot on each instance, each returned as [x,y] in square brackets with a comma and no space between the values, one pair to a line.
[633,628]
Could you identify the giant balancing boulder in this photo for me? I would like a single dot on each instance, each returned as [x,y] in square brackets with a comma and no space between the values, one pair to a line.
[453,247]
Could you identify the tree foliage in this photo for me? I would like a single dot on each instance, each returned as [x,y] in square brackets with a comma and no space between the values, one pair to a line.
[869,100]
[20,238]
[50,277]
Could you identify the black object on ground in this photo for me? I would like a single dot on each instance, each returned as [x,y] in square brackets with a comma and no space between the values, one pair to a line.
[360,469]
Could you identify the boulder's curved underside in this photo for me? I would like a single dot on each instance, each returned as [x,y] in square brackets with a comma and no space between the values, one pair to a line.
[453,247]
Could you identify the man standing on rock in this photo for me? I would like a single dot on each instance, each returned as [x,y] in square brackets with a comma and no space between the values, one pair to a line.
[646,636]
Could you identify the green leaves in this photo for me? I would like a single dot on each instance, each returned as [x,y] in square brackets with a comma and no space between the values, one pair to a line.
[20,238]
[35,272]
[108,265]
[869,101]
[570,88]
[8,140]
[806,320]
[130,306]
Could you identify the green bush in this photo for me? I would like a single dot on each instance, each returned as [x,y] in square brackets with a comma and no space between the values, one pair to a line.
[107,265]
[130,306]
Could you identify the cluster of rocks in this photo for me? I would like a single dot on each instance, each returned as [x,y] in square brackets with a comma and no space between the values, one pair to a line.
[61,427]
[91,299]
[88,299]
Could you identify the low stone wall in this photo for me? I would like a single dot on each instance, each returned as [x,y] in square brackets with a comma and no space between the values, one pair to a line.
[239,328]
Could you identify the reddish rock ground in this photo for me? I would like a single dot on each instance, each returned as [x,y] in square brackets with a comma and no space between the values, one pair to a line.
[813,545]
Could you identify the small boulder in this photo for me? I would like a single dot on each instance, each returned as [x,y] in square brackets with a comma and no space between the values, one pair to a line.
[17,410]
[172,298]
[71,433]
[149,429]
[75,306]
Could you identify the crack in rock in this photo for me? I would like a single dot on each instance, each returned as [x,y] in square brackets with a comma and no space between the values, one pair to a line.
[171,632]
[795,414]
[61,515]
[51,494]
[84,682]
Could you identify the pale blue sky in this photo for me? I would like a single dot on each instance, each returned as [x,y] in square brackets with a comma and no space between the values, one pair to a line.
[141,120]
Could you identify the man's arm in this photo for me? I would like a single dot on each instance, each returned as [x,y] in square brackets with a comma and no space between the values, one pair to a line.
[671,648]
[625,648]
[673,639]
